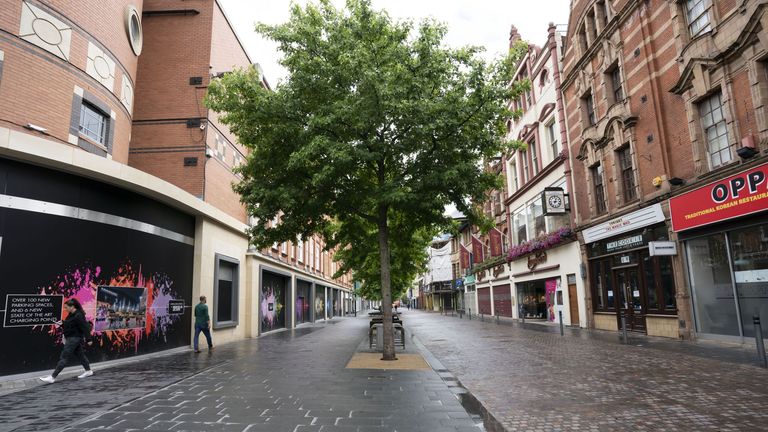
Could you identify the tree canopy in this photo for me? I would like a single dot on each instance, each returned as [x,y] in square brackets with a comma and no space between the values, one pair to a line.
[377,127]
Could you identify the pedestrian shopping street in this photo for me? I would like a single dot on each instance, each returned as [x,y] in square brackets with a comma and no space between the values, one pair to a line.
[527,378]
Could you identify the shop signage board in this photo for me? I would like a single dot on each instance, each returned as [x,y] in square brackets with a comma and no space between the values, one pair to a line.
[624,243]
[629,222]
[29,310]
[662,248]
[469,280]
[495,236]
[738,195]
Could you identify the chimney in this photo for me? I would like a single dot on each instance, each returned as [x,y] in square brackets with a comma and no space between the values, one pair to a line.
[514,36]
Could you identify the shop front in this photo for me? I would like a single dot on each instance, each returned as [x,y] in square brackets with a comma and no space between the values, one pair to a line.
[274,287]
[303,301]
[724,232]
[630,281]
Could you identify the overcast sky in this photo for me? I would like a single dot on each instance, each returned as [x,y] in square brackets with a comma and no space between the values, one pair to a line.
[484,23]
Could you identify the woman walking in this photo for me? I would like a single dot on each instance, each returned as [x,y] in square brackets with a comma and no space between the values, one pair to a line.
[76,330]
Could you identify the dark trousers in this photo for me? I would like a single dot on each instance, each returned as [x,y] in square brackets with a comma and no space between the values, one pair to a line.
[206,331]
[72,347]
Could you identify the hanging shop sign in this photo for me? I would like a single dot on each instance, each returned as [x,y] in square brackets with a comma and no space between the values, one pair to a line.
[553,201]
[29,310]
[495,235]
[662,248]
[469,280]
[739,195]
[629,222]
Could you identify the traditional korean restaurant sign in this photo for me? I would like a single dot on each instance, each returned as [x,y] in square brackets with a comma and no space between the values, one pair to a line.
[735,196]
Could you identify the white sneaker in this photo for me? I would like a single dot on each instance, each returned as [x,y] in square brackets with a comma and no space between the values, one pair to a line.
[48,379]
[85,374]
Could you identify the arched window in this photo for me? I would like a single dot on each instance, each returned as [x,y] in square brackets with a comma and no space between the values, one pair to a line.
[543,78]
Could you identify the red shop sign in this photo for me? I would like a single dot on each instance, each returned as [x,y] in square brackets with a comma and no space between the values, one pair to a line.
[742,194]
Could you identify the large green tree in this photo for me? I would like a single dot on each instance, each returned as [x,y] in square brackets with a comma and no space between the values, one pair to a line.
[377,121]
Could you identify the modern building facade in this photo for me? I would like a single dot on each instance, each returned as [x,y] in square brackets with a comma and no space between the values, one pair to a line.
[628,152]
[544,257]
[95,205]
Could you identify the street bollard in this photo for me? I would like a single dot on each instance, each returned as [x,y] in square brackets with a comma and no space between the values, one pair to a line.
[759,340]
[497,318]
[624,328]
[469,314]
[561,322]
[482,317]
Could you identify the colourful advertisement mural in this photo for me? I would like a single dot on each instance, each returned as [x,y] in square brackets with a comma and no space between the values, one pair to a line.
[550,287]
[273,289]
[319,303]
[124,278]
[303,302]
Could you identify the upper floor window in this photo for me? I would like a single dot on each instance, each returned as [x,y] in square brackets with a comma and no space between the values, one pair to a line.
[627,174]
[602,10]
[524,157]
[616,87]
[552,137]
[519,222]
[534,157]
[93,123]
[515,176]
[589,109]
[715,130]
[597,180]
[697,12]
[300,250]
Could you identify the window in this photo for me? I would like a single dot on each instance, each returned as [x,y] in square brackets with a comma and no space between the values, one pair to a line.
[602,285]
[311,252]
[515,176]
[300,250]
[534,157]
[505,242]
[583,38]
[539,224]
[225,292]
[524,157]
[284,248]
[93,123]
[133,28]
[519,225]
[715,130]
[602,9]
[698,16]
[597,180]
[618,90]
[627,174]
[317,256]
[552,137]
[589,109]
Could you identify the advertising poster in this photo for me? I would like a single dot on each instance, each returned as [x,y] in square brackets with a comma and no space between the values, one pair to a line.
[119,308]
[48,259]
[303,302]
[319,303]
[550,287]
[273,289]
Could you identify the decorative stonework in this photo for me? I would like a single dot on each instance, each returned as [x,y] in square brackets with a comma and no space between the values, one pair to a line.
[101,67]
[44,30]
[126,94]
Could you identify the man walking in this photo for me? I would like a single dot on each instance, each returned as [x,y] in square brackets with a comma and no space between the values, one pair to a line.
[202,324]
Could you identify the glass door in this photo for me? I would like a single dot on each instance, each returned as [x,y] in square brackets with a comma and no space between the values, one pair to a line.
[749,255]
[627,283]
[713,290]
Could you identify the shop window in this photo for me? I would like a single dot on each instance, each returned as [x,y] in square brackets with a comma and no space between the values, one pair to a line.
[225,291]
[697,12]
[627,174]
[588,103]
[552,136]
[715,130]
[93,123]
[602,285]
[749,255]
[710,277]
[597,181]
[650,285]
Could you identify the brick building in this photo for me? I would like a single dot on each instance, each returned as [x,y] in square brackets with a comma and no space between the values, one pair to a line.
[629,150]
[116,182]
[719,213]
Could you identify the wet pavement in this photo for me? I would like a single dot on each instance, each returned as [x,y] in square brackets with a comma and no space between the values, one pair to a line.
[530,378]
[289,381]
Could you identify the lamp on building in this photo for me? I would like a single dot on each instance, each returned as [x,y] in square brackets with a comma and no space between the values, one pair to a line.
[676,181]
[747,149]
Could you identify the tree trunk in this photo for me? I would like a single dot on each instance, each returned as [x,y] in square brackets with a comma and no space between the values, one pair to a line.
[386,286]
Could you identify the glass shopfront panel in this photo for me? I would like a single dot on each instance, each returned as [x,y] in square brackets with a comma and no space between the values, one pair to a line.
[710,276]
[749,256]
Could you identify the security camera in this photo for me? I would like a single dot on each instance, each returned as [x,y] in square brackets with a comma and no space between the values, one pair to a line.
[202,126]
[208,152]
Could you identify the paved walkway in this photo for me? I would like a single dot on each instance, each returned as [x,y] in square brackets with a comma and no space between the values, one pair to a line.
[292,381]
[533,379]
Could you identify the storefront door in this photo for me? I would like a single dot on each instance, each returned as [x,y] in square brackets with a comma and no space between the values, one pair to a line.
[627,282]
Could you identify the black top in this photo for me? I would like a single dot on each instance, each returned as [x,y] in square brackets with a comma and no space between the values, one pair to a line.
[76,326]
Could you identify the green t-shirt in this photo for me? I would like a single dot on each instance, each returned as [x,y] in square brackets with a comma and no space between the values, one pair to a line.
[201,315]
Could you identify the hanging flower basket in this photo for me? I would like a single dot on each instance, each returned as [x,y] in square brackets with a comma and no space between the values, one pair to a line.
[541,243]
